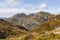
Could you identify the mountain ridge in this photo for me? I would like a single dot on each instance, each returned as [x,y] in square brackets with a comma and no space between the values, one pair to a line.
[29,22]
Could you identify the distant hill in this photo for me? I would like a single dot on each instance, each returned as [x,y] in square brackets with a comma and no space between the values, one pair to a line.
[30,21]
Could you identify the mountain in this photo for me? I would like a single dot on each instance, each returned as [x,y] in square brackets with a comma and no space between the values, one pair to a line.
[8,29]
[48,30]
[39,26]
[20,15]
[17,19]
[32,14]
[51,24]
[30,21]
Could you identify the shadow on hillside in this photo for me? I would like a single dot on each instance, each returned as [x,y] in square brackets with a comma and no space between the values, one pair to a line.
[3,35]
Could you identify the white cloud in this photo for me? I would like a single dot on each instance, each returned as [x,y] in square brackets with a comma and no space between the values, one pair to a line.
[12,2]
[10,10]
[33,8]
[43,6]
[17,10]
[30,8]
[26,9]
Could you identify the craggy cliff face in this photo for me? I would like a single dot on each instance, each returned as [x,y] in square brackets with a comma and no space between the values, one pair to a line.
[30,21]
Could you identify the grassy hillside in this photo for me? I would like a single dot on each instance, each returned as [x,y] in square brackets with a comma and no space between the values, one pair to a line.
[49,25]
[10,30]
[44,31]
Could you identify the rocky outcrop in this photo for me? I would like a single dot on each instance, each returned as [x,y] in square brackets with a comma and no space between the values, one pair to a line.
[30,21]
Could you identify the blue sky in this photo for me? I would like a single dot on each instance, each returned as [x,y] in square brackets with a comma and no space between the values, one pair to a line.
[11,7]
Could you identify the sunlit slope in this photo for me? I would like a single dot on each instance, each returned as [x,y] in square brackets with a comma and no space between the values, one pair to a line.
[49,25]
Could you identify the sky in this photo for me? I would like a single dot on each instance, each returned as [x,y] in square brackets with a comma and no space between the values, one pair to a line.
[9,8]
